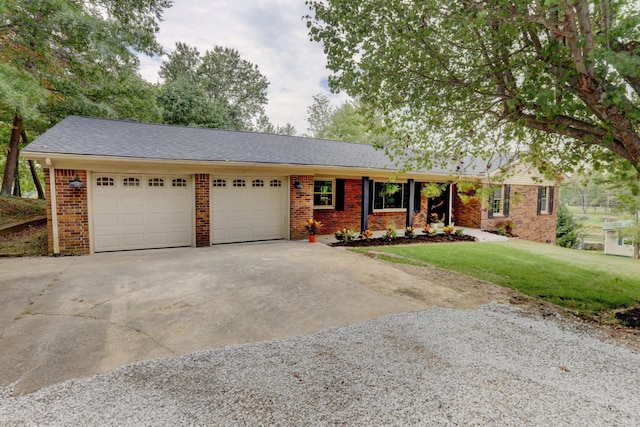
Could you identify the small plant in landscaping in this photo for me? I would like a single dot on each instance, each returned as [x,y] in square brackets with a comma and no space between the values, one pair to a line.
[312,226]
[345,235]
[459,232]
[436,219]
[409,233]
[448,230]
[505,228]
[366,235]
[391,233]
[429,231]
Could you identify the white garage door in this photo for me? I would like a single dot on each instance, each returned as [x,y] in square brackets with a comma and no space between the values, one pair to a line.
[245,209]
[141,211]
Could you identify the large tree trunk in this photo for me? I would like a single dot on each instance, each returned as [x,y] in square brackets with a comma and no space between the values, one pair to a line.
[12,157]
[17,191]
[32,168]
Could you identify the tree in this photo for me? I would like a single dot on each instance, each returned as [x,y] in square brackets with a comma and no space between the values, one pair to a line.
[63,57]
[223,76]
[556,80]
[342,123]
[627,191]
[568,230]
[585,189]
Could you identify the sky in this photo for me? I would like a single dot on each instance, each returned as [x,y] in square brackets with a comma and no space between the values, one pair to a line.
[269,33]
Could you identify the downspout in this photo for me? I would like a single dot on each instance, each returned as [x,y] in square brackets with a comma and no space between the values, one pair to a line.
[54,208]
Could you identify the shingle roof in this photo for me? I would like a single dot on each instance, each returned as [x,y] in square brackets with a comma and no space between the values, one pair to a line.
[86,136]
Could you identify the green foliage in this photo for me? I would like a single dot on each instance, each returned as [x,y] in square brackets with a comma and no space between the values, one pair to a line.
[229,90]
[462,78]
[345,235]
[587,282]
[62,57]
[568,230]
[343,123]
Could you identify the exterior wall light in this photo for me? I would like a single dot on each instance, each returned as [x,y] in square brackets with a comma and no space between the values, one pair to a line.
[297,185]
[76,183]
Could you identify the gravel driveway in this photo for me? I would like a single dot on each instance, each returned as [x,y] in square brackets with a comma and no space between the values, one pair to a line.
[496,365]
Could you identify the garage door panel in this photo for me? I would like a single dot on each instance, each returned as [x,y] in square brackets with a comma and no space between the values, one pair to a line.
[138,212]
[254,212]
[132,219]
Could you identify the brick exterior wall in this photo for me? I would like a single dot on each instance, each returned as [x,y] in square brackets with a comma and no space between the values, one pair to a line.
[523,211]
[300,206]
[73,216]
[334,220]
[469,214]
[203,215]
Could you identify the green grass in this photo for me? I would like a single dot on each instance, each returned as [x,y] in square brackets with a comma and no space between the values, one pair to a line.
[580,281]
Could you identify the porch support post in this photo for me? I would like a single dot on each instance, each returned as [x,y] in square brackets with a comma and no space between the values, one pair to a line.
[364,213]
[410,202]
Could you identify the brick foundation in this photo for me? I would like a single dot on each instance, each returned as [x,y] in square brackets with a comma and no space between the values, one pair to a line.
[73,217]
[203,214]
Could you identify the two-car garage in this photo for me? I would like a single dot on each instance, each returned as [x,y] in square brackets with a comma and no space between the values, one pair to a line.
[135,211]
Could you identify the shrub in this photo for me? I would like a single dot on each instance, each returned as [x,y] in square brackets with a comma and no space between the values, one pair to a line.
[345,235]
[448,230]
[505,228]
[568,230]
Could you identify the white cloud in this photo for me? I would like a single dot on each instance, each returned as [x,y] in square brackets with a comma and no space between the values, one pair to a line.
[269,33]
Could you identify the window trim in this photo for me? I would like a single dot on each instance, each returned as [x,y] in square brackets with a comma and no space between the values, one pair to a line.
[333,193]
[404,203]
[547,209]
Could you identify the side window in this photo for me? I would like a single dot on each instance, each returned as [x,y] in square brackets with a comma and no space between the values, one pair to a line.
[323,193]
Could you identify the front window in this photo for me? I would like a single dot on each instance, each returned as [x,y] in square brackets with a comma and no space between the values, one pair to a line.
[544,199]
[323,193]
[496,201]
[390,195]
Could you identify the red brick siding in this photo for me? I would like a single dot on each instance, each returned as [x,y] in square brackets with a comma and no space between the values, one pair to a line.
[334,220]
[523,211]
[202,203]
[301,205]
[469,214]
[73,216]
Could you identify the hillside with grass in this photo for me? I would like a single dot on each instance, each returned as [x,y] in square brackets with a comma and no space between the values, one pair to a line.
[30,241]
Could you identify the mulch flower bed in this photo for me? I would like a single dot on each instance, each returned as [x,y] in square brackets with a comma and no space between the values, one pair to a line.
[630,318]
[420,238]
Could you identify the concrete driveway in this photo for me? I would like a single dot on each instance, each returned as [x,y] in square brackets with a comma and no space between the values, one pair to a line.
[73,317]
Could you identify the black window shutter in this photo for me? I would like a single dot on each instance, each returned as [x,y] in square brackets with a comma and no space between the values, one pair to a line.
[417,197]
[490,210]
[550,196]
[507,201]
[371,195]
[339,195]
[539,200]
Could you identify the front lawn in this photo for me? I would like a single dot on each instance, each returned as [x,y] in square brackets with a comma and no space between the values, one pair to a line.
[586,282]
